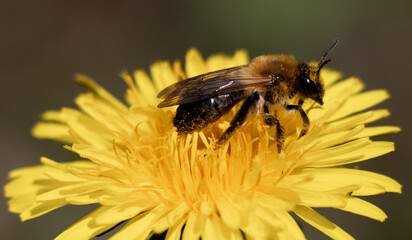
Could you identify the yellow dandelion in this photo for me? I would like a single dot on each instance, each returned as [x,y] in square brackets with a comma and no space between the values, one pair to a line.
[138,170]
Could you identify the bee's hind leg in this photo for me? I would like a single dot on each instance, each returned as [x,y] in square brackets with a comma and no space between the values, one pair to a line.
[305,118]
[239,118]
[271,121]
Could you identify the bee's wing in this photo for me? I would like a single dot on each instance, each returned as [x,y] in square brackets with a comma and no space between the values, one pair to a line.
[209,85]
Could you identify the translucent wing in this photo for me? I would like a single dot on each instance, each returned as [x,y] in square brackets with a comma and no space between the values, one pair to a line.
[209,85]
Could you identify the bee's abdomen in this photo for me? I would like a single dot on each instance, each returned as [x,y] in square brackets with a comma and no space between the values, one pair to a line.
[197,115]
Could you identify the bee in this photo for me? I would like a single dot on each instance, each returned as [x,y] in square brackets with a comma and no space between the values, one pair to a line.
[266,81]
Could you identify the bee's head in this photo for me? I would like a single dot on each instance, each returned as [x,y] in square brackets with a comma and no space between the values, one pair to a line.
[309,84]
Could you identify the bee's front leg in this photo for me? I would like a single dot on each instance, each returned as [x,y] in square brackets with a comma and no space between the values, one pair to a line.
[271,121]
[305,118]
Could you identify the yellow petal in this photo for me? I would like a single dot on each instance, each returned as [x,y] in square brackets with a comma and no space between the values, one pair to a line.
[330,179]
[215,229]
[175,230]
[329,76]
[321,223]
[194,63]
[39,209]
[87,129]
[312,198]
[360,102]
[162,75]
[354,151]
[64,173]
[377,131]
[100,156]
[342,89]
[263,224]
[218,62]
[86,198]
[52,115]
[176,215]
[60,193]
[354,120]
[336,138]
[364,208]
[221,61]
[229,215]
[105,117]
[272,202]
[140,226]
[84,228]
[292,230]
[241,57]
[145,85]
[27,172]
[123,211]
[194,226]
[34,180]
[100,92]
[27,183]
[132,94]
[323,156]
[20,203]
[55,131]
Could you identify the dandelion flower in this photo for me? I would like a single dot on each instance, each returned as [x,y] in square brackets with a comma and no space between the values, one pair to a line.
[137,169]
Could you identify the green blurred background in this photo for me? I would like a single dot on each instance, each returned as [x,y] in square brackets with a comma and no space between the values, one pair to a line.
[43,43]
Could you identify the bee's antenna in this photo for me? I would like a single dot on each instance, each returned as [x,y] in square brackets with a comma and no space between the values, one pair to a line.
[323,60]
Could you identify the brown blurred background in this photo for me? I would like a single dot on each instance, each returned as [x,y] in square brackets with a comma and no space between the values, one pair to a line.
[43,43]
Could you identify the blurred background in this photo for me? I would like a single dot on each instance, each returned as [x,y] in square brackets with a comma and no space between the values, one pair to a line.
[44,43]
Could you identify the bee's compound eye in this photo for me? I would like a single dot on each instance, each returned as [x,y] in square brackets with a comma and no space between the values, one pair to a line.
[307,82]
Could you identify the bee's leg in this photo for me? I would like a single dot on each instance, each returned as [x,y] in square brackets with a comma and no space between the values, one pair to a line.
[305,118]
[239,118]
[271,121]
